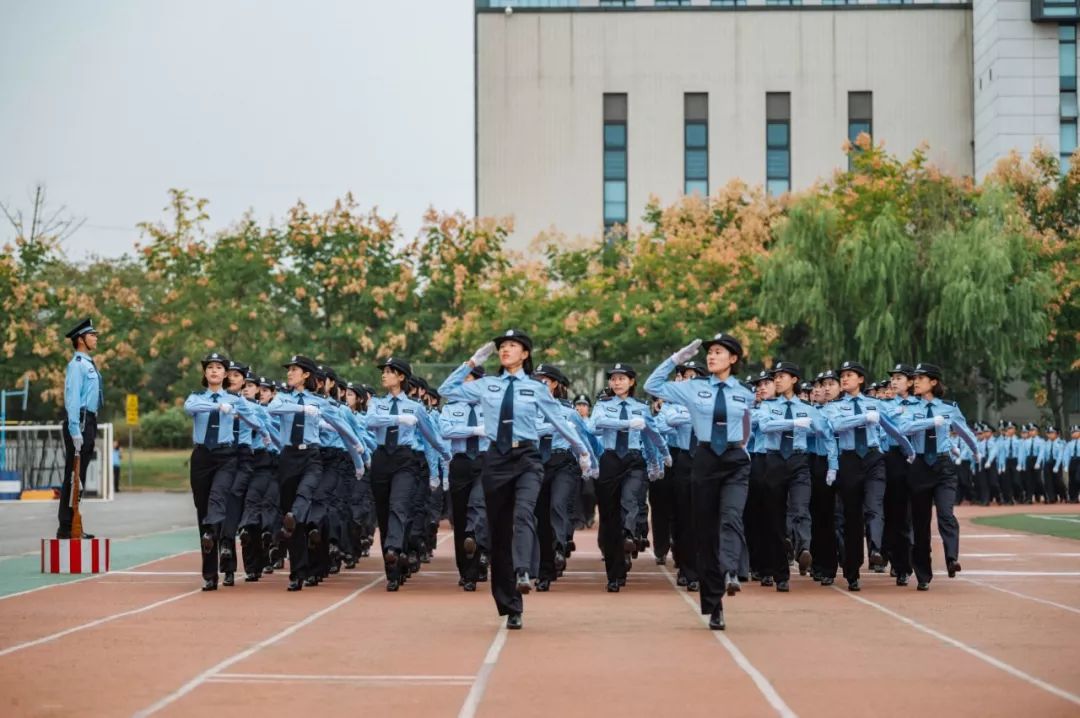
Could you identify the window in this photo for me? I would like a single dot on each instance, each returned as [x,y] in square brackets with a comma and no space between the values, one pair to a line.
[616,3]
[783,2]
[528,3]
[1067,88]
[696,141]
[729,3]
[672,3]
[860,116]
[778,142]
[615,114]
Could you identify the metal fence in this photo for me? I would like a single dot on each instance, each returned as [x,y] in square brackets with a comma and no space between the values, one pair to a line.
[35,454]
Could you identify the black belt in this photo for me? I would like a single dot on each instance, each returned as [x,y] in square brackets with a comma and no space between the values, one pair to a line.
[560,452]
[868,450]
[302,447]
[730,444]
[523,444]
[794,452]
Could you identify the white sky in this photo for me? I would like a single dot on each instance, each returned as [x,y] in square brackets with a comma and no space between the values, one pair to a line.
[251,104]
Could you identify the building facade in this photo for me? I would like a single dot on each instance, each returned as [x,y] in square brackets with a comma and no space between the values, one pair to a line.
[586,108]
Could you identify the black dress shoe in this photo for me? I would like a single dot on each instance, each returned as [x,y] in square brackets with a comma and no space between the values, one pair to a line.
[225,555]
[484,560]
[782,586]
[767,581]
[267,570]
[482,578]
[560,561]
[877,561]
[390,558]
[571,546]
[524,583]
[470,547]
[805,561]
[693,586]
[469,586]
[680,580]
[902,580]
[209,584]
[350,561]
[207,542]
[827,580]
[313,539]
[612,586]
[923,586]
[279,564]
[755,576]
[513,622]
[230,579]
[288,524]
[731,584]
[629,546]
[392,586]
[267,539]
[716,620]
[953,568]
[621,581]
[295,585]
[311,581]
[87,536]
[661,560]
[854,585]
[245,537]
[251,577]
[543,584]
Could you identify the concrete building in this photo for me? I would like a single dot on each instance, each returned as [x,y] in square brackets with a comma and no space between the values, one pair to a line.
[585,108]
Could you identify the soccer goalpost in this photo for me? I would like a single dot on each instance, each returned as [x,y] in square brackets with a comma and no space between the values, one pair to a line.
[34,454]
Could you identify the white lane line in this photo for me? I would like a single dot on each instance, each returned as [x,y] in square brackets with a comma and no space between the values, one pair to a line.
[782,709]
[252,650]
[479,686]
[248,652]
[91,624]
[91,577]
[990,536]
[364,680]
[970,650]
[1021,555]
[1036,599]
[989,572]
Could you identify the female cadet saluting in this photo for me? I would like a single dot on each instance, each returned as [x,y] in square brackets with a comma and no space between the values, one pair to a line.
[512,470]
[720,407]
[856,419]
[933,474]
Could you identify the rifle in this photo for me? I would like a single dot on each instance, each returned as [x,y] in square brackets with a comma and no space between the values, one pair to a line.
[73,501]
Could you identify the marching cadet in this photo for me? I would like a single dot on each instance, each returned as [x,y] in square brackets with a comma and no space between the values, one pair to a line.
[720,407]
[754,512]
[271,504]
[858,423]
[823,505]
[1070,461]
[785,423]
[250,493]
[361,502]
[82,404]
[896,534]
[512,471]
[933,474]
[213,462]
[1007,453]
[586,505]
[398,423]
[623,424]
[1048,461]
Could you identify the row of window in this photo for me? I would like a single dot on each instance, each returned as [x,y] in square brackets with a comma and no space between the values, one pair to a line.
[1067,85]
[670,3]
[696,144]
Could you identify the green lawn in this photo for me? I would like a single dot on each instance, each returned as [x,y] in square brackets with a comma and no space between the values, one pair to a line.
[158,469]
[1062,525]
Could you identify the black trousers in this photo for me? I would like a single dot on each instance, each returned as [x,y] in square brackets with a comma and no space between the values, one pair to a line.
[1012,482]
[1033,486]
[299,474]
[684,550]
[719,486]
[393,480]
[754,518]
[786,481]
[262,481]
[933,486]
[662,508]
[617,490]
[464,475]
[823,545]
[896,535]
[565,476]
[211,468]
[965,486]
[64,514]
[1074,480]
[1054,483]
[511,486]
[860,483]
[545,534]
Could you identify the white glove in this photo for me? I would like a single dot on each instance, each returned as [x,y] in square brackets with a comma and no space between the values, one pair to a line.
[957,462]
[77,441]
[360,448]
[872,417]
[1038,466]
[225,408]
[686,352]
[446,483]
[481,354]
[593,473]
[830,477]
[939,421]
[803,422]
[636,424]
[267,441]
[911,458]
[480,431]
[433,482]
[955,451]
[986,465]
[311,410]
[585,463]
[406,420]
[668,462]
[359,472]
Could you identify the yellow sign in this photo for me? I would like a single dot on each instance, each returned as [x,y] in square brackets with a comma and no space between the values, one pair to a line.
[132,410]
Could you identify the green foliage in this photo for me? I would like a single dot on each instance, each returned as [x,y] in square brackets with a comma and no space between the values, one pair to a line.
[165,429]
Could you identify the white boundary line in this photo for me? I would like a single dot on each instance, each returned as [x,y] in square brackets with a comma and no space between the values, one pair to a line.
[782,709]
[1025,596]
[476,693]
[91,624]
[92,576]
[362,680]
[995,662]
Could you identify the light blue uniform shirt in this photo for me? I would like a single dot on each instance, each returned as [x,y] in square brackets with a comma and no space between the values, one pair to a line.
[201,405]
[82,390]
[1051,451]
[1070,451]
[379,418]
[675,423]
[454,426]
[699,396]
[915,423]
[287,405]
[606,423]
[530,399]
[844,420]
[774,426]
[576,424]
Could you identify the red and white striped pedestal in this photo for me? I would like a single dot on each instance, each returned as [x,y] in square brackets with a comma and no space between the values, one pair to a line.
[75,555]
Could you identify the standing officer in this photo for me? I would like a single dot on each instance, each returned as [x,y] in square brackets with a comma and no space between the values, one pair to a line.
[82,402]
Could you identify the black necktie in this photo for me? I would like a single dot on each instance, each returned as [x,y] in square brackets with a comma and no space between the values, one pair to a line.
[693,441]
[235,428]
[860,433]
[545,447]
[392,431]
[504,439]
[472,444]
[787,440]
[622,438]
[719,440]
[930,440]
[296,438]
[210,439]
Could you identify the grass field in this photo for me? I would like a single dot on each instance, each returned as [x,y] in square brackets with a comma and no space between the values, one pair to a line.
[1061,525]
[158,469]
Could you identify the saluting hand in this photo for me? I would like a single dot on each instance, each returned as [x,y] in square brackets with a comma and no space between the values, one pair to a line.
[481,354]
[686,352]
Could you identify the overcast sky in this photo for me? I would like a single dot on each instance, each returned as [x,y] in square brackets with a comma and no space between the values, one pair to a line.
[251,104]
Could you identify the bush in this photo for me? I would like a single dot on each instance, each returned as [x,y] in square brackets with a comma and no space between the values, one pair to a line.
[165,429]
